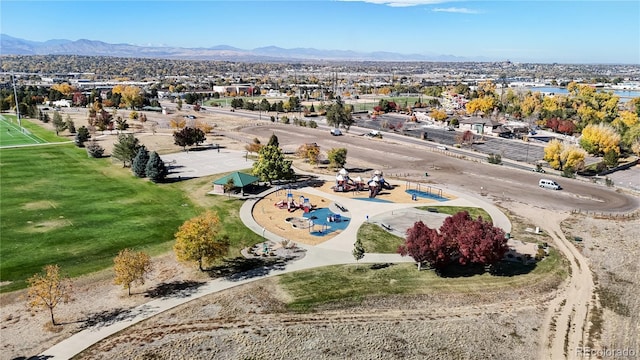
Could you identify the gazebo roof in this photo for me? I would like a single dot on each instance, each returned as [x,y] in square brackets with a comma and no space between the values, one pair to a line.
[239,179]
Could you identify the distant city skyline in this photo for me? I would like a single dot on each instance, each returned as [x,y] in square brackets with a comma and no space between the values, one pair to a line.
[586,32]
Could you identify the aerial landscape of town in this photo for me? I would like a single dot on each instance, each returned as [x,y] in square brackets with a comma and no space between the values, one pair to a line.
[336,193]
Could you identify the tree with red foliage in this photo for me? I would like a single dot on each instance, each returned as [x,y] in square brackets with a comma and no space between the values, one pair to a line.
[566,127]
[460,239]
[478,241]
[424,244]
[553,123]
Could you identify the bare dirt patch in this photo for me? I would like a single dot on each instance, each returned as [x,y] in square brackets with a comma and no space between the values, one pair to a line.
[39,205]
[613,247]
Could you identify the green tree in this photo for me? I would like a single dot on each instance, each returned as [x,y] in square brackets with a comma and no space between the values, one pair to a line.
[610,158]
[139,165]
[339,115]
[271,165]
[131,267]
[70,125]
[121,123]
[358,250]
[126,148]
[199,239]
[229,186]
[188,136]
[82,136]
[264,105]
[273,141]
[58,124]
[156,169]
[337,157]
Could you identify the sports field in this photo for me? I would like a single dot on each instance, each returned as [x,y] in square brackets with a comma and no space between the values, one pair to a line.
[13,135]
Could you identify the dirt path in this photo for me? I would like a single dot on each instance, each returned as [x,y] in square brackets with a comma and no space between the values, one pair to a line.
[566,321]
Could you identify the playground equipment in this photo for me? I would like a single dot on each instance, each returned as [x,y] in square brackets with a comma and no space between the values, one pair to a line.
[424,191]
[377,183]
[291,205]
[343,182]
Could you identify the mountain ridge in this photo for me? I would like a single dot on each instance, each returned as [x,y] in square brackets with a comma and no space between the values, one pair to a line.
[85,47]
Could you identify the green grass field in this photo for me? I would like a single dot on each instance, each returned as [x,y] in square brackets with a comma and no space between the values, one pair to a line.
[350,284]
[11,134]
[60,207]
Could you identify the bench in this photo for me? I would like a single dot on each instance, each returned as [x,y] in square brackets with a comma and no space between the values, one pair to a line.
[342,208]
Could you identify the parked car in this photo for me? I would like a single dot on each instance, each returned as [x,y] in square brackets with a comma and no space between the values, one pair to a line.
[336,132]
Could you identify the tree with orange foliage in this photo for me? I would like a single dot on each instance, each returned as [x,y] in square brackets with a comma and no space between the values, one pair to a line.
[199,239]
[64,88]
[131,267]
[49,290]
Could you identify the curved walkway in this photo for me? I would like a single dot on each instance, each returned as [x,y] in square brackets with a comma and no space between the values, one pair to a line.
[335,251]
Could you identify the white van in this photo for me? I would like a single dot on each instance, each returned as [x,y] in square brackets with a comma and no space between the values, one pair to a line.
[549,184]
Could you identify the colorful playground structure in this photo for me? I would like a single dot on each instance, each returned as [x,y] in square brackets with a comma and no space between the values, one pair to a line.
[345,184]
[291,205]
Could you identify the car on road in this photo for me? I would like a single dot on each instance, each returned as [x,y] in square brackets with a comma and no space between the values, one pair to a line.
[336,132]
[549,184]
[374,134]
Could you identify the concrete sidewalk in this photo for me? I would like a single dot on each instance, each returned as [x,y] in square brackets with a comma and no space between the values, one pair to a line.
[335,251]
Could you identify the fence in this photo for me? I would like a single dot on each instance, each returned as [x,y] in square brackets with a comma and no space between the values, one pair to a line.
[608,216]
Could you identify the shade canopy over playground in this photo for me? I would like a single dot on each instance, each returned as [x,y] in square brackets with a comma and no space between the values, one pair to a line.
[240,180]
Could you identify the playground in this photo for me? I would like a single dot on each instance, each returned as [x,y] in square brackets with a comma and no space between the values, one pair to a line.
[310,218]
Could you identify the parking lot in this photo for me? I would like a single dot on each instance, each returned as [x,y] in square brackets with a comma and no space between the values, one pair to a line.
[186,165]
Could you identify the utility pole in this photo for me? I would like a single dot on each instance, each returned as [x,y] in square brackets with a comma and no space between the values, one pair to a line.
[15,97]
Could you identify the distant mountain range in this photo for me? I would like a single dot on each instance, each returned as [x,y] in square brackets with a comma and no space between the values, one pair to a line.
[14,46]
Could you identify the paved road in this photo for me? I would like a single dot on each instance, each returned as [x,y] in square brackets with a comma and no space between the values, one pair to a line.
[411,158]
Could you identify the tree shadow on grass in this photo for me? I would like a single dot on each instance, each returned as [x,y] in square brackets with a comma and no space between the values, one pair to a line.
[380,266]
[512,268]
[503,268]
[241,268]
[178,289]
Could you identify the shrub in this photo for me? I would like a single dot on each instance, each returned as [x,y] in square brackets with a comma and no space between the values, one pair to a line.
[495,159]
[312,124]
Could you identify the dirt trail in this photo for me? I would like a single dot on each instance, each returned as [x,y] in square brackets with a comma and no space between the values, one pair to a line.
[566,322]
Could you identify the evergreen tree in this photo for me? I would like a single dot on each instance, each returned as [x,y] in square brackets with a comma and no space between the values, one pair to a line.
[139,164]
[82,136]
[94,149]
[71,126]
[273,141]
[156,170]
[126,148]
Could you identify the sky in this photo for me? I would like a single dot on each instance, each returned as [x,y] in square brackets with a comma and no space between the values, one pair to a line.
[559,31]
